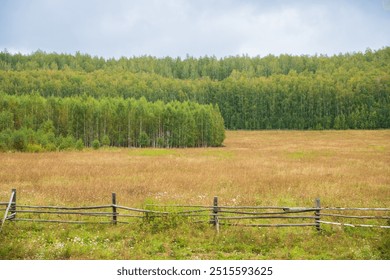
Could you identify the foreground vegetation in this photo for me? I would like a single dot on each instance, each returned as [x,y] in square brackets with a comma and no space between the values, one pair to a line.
[183,241]
[343,168]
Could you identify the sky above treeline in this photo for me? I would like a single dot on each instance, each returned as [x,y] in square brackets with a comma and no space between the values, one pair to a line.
[194,27]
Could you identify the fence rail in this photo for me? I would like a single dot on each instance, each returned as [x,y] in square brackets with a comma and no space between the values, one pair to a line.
[215,214]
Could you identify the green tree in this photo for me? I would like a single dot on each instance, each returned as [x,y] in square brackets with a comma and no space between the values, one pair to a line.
[144,140]
[106,141]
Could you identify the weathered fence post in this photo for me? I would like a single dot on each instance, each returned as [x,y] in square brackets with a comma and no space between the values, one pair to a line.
[215,214]
[317,214]
[12,209]
[8,209]
[114,213]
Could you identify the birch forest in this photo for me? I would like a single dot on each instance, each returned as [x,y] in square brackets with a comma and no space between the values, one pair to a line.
[51,101]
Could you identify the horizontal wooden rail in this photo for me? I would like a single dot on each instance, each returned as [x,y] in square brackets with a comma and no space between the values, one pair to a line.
[351,225]
[6,203]
[173,214]
[190,211]
[355,217]
[179,206]
[130,215]
[269,213]
[259,207]
[60,221]
[269,225]
[354,209]
[66,208]
[138,210]
[265,217]
[65,213]
[286,209]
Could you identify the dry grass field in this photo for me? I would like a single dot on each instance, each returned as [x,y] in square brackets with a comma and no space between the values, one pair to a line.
[343,168]
[281,168]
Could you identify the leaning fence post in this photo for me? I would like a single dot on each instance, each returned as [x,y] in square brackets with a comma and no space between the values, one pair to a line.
[11,200]
[114,213]
[13,205]
[317,214]
[215,214]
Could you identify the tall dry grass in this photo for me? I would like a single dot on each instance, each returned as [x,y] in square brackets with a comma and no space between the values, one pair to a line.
[343,168]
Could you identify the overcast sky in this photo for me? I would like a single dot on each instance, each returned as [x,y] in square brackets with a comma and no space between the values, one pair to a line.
[195,27]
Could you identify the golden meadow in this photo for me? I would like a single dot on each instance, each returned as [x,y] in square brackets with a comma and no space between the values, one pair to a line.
[343,168]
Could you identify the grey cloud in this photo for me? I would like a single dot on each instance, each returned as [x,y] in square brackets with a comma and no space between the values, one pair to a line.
[180,27]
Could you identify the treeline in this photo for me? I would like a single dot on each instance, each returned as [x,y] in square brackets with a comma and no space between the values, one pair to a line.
[347,91]
[34,123]
[194,68]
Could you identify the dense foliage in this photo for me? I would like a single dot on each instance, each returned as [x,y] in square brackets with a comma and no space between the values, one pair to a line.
[347,91]
[34,123]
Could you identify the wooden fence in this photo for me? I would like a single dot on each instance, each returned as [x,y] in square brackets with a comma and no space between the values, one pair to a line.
[215,214]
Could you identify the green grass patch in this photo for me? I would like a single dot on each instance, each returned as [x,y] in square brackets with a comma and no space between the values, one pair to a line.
[297,155]
[177,238]
[153,152]
[378,148]
[218,154]
[308,155]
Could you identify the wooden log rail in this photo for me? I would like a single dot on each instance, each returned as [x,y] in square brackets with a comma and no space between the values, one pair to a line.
[215,214]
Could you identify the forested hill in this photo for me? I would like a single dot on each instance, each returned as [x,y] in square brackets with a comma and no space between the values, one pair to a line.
[273,92]
[194,68]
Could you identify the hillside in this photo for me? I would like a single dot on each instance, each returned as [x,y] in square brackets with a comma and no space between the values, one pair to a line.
[347,91]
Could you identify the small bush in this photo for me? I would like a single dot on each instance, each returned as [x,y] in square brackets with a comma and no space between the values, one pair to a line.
[95,144]
[67,143]
[34,148]
[6,140]
[144,140]
[3,147]
[79,145]
[19,141]
[160,142]
[51,147]
[106,140]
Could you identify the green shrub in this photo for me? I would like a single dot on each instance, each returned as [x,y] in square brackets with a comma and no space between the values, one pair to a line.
[79,145]
[19,140]
[95,144]
[144,140]
[51,147]
[160,142]
[106,140]
[6,140]
[34,148]
[3,147]
[67,143]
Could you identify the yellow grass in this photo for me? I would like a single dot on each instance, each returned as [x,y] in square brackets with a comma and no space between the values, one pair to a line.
[343,168]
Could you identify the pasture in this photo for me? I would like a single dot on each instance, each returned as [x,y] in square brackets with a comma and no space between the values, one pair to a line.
[343,168]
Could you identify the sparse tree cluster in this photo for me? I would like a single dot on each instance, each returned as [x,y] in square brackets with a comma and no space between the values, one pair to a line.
[34,123]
